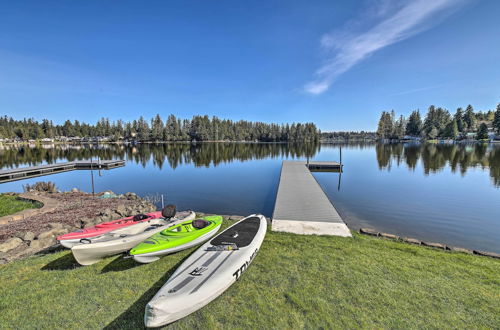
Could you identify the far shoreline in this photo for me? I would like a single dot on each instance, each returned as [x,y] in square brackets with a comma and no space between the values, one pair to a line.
[381,141]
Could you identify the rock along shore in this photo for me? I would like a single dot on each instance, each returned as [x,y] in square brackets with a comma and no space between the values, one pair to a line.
[69,211]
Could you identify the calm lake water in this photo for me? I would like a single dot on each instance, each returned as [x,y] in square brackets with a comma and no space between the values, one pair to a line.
[441,193]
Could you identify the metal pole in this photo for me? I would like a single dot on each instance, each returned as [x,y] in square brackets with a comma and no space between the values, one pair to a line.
[92,174]
[162,205]
[340,174]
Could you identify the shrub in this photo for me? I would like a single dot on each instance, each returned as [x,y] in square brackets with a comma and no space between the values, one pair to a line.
[41,186]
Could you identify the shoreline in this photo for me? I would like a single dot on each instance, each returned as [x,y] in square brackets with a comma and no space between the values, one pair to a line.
[346,142]
[20,237]
[41,143]
[436,245]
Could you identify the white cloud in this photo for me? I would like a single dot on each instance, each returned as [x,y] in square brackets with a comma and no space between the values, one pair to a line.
[395,21]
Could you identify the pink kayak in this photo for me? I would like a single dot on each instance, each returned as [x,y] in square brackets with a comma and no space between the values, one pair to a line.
[109,226]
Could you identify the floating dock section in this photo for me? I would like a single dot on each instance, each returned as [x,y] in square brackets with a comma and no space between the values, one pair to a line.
[301,205]
[40,170]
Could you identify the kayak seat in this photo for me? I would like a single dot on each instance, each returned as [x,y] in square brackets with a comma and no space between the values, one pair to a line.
[200,223]
[140,217]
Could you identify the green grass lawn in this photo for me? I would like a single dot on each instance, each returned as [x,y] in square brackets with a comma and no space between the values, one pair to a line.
[294,282]
[11,204]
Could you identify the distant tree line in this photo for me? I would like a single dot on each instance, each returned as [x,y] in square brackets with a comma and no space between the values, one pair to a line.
[199,128]
[439,123]
[347,136]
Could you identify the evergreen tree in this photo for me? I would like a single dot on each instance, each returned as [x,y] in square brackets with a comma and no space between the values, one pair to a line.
[482,134]
[470,119]
[451,130]
[67,128]
[143,132]
[414,125]
[119,131]
[399,128]
[490,116]
[436,118]
[171,129]
[496,119]
[157,128]
[48,128]
[459,118]
[129,130]
[385,126]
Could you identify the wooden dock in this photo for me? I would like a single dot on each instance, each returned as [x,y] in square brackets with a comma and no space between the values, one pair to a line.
[40,170]
[301,205]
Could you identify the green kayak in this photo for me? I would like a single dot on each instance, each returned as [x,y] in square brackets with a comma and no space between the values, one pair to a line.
[176,238]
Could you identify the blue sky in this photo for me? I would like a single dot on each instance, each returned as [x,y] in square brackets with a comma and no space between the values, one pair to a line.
[336,63]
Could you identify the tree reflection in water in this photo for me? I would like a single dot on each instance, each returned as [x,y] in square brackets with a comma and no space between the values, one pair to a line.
[175,154]
[432,157]
[435,157]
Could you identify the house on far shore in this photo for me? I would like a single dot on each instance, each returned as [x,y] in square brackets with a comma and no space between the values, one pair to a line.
[103,139]
[47,140]
[61,138]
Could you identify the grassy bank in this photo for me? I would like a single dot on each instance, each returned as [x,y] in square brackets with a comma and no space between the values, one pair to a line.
[10,204]
[294,282]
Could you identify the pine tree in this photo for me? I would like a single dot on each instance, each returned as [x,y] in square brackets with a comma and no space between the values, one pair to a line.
[451,130]
[385,126]
[143,132]
[482,134]
[459,118]
[399,128]
[414,125]
[157,128]
[436,118]
[496,120]
[171,129]
[470,118]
